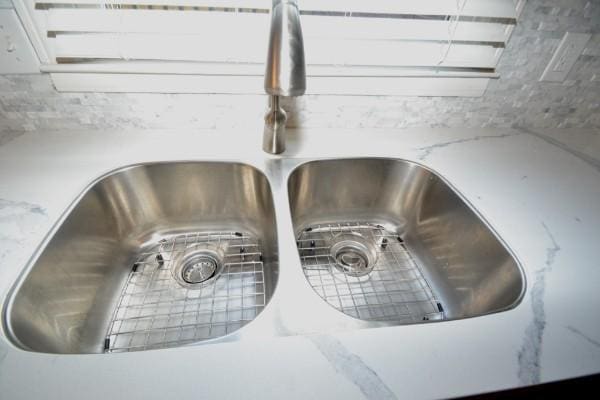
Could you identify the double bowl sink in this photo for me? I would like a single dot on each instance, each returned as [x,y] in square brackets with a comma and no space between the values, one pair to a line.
[171,254]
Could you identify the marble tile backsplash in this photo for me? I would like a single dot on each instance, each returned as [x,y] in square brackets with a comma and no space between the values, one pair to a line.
[517,99]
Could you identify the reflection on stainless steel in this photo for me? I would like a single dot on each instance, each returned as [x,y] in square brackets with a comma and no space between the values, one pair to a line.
[66,302]
[468,268]
[285,74]
[76,295]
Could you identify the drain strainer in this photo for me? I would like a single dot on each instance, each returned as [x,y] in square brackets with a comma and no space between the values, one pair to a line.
[200,270]
[354,255]
[198,265]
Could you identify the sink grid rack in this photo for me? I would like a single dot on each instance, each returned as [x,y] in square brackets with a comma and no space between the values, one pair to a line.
[395,290]
[154,311]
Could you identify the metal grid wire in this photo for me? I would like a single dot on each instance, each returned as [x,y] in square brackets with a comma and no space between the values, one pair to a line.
[395,290]
[154,311]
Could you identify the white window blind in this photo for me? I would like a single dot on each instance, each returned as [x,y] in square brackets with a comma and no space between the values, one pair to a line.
[391,47]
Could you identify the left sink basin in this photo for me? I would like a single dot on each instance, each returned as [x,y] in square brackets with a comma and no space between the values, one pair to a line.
[151,256]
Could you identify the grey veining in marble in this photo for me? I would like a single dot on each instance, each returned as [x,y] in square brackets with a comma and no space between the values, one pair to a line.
[588,339]
[427,150]
[18,219]
[531,351]
[352,367]
[14,214]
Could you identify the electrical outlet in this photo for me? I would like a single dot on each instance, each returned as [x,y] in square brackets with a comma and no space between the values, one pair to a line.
[569,49]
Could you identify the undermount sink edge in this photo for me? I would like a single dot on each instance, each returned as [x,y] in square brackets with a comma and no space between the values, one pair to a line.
[273,187]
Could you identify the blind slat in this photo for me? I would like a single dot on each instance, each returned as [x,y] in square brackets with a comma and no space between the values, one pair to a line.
[247,50]
[218,24]
[477,8]
[81,82]
[256,69]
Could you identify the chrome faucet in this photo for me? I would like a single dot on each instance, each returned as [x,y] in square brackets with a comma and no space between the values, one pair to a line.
[286,71]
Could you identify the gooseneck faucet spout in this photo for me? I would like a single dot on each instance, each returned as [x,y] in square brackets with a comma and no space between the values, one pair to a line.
[285,72]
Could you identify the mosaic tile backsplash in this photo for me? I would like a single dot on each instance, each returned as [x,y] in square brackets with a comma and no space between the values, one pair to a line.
[517,99]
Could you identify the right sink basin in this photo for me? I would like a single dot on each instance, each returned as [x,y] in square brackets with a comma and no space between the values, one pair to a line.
[390,240]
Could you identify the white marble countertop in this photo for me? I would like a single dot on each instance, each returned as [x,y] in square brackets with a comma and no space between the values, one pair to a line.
[541,193]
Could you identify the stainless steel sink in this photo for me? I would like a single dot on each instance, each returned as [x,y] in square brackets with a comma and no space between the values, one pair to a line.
[171,254]
[150,256]
[389,240]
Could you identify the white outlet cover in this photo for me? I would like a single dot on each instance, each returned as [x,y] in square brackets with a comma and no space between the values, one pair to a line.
[570,48]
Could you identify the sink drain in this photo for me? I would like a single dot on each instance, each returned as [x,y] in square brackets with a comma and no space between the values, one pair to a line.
[354,255]
[200,270]
[198,265]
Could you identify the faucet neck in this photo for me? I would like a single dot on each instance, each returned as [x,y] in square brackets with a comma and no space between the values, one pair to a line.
[274,131]
[274,102]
